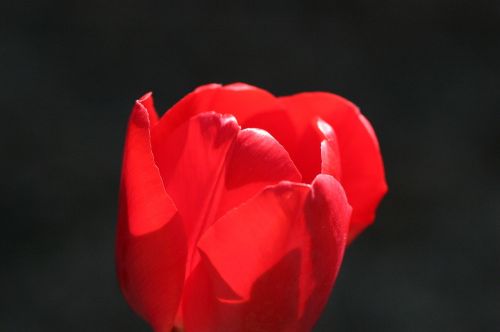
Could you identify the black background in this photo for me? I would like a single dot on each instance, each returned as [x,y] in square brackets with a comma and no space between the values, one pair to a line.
[425,72]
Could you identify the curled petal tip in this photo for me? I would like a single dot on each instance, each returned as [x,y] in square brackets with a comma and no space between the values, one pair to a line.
[324,127]
[145,97]
[140,116]
[147,103]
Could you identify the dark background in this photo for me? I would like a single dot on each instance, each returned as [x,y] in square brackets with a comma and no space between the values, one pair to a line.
[425,72]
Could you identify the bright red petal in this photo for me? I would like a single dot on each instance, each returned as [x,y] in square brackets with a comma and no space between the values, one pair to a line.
[151,246]
[258,233]
[328,216]
[270,264]
[361,162]
[208,166]
[251,106]
[241,100]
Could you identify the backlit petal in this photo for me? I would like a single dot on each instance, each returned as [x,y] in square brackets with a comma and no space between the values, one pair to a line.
[239,99]
[361,162]
[270,264]
[208,166]
[151,246]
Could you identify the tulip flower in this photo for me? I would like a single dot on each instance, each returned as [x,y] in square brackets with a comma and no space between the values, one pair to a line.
[236,207]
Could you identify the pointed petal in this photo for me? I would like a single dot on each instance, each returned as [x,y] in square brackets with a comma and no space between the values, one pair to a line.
[147,102]
[270,264]
[208,166]
[361,162]
[150,248]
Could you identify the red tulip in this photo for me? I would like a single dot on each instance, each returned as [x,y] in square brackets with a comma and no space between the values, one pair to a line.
[230,229]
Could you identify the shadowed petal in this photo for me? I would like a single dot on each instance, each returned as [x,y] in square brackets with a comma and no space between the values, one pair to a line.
[151,246]
[270,264]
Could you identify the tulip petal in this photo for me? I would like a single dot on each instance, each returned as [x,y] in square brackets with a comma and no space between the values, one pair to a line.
[361,162]
[328,217]
[270,264]
[292,121]
[239,99]
[208,166]
[149,227]
[261,231]
[148,103]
